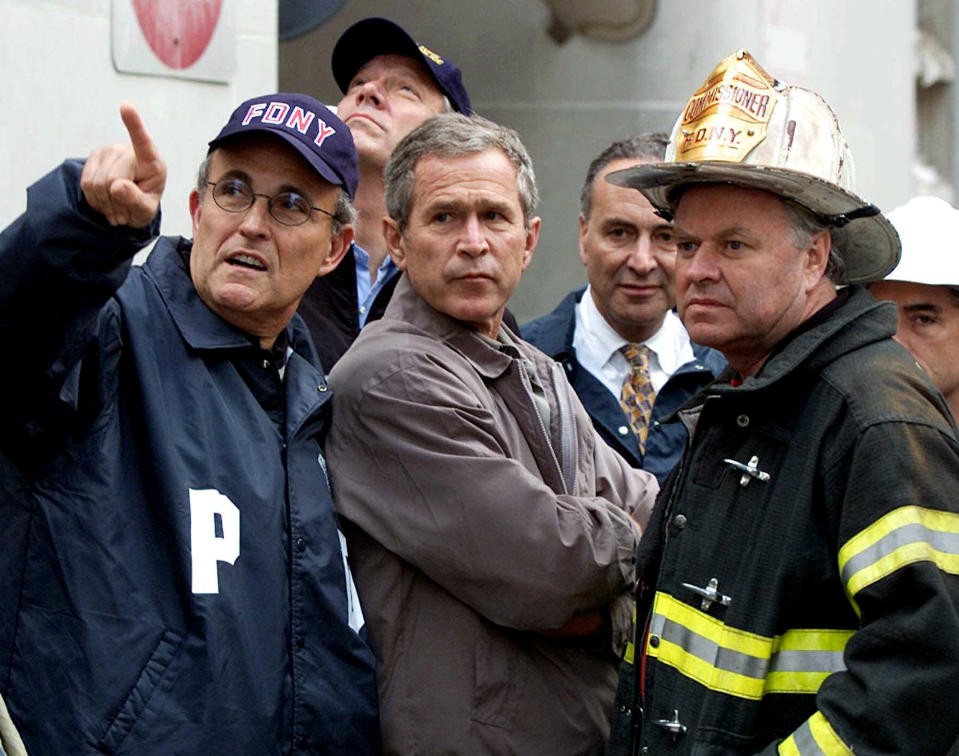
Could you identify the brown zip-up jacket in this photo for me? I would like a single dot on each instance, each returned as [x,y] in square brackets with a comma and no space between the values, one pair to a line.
[472,528]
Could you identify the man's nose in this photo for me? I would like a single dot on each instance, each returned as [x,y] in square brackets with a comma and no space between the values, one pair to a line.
[642,260]
[256,218]
[697,266]
[473,240]
[369,91]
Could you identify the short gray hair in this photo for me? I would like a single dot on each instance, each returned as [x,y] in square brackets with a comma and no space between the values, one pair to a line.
[803,226]
[454,135]
[344,214]
[650,147]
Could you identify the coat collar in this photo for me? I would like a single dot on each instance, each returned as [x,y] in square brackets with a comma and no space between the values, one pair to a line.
[553,333]
[203,329]
[199,326]
[859,322]
[410,307]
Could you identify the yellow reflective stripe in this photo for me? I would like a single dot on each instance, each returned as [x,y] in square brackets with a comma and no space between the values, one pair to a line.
[707,675]
[711,628]
[788,747]
[914,552]
[814,640]
[794,682]
[737,662]
[814,737]
[826,737]
[904,536]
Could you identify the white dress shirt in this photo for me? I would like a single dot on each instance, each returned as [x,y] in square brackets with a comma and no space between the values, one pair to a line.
[597,347]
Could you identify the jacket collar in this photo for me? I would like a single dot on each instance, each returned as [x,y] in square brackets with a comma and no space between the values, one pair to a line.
[711,359]
[553,333]
[410,307]
[199,326]
[859,322]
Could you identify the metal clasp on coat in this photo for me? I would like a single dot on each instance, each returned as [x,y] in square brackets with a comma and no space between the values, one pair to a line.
[673,726]
[710,594]
[749,471]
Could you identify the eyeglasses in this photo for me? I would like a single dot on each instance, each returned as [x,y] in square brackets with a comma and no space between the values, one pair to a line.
[289,208]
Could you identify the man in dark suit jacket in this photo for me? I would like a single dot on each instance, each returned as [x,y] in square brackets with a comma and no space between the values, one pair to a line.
[629,256]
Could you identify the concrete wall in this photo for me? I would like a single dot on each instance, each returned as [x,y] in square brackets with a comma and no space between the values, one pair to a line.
[937,106]
[569,101]
[61,94]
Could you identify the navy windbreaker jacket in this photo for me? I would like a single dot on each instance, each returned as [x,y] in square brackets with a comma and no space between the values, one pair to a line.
[171,573]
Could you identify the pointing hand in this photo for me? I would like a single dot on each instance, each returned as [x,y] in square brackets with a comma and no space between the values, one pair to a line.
[124,182]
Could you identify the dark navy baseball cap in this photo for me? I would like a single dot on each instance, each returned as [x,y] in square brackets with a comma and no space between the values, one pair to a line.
[306,125]
[379,36]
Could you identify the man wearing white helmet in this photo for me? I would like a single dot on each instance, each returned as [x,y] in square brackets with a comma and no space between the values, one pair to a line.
[798,580]
[925,289]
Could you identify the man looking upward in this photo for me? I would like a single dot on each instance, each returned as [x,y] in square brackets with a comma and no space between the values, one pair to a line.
[390,85]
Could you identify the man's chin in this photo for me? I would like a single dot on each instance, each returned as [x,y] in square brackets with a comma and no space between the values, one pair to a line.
[481,317]
[706,333]
[232,297]
[372,146]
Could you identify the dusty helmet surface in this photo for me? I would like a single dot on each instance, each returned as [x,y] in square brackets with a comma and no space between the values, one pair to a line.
[743,127]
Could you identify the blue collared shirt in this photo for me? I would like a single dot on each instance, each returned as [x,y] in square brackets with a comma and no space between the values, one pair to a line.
[366,290]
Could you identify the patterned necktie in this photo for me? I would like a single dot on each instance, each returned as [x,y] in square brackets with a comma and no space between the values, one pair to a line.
[638,392]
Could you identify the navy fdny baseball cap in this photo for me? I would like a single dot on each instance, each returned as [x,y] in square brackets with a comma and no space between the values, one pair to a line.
[306,125]
[379,36]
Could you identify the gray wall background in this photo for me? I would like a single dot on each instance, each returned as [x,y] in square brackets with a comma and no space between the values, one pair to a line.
[569,101]
[61,95]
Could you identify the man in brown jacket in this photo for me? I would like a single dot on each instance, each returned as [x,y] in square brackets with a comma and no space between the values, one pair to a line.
[491,531]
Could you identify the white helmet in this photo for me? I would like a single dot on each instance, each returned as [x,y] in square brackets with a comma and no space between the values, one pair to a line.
[929,230]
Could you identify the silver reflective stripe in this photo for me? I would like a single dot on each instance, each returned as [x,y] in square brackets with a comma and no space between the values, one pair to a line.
[741,663]
[947,543]
[710,652]
[809,661]
[805,742]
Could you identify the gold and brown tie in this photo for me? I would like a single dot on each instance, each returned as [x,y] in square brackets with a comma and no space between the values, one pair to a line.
[638,392]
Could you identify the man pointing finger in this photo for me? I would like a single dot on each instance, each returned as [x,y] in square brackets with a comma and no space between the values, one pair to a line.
[167,525]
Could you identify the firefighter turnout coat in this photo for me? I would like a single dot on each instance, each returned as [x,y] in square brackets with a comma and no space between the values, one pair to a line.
[799,579]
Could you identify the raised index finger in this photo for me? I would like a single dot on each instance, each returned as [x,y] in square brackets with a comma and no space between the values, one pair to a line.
[143,147]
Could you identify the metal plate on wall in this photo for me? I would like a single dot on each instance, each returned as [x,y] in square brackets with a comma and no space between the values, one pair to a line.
[182,39]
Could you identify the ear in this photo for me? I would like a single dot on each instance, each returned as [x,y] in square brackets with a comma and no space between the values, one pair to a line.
[817,258]
[196,208]
[532,237]
[339,244]
[583,225]
[395,242]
